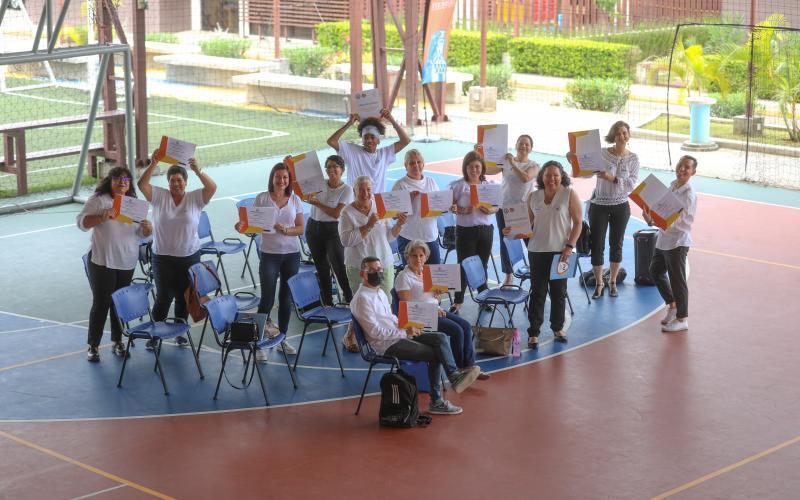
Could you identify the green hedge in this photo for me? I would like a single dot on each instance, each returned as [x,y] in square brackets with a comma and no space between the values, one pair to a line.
[497,75]
[657,41]
[598,94]
[225,47]
[308,61]
[572,58]
[336,35]
[161,37]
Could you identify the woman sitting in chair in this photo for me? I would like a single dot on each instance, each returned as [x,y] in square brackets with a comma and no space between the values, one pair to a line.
[112,257]
[408,286]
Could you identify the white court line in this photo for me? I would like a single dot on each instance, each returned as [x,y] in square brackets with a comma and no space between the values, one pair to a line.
[90,495]
[275,133]
[36,231]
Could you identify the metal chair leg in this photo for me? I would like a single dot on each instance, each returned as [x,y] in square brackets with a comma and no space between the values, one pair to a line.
[195,355]
[247,254]
[250,270]
[124,361]
[221,371]
[261,381]
[224,274]
[160,369]
[364,389]
[583,281]
[325,345]
[335,348]
[300,347]
[289,367]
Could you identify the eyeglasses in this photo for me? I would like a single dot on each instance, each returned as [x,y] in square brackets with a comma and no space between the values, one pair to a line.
[121,179]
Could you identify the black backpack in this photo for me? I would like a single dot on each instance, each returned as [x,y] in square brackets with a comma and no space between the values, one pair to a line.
[399,406]
[583,245]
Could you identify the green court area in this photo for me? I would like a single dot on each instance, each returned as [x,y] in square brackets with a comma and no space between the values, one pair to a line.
[224,134]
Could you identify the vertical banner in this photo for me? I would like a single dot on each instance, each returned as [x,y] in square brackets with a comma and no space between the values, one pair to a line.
[438,18]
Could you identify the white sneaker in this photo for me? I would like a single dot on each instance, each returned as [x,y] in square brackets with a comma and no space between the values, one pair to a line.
[261,356]
[676,325]
[287,348]
[671,313]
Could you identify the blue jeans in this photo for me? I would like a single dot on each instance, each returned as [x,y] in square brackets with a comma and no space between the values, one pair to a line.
[459,331]
[434,349]
[271,266]
[433,246]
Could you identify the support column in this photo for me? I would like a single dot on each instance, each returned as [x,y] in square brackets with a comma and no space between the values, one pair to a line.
[356,48]
[411,45]
[141,151]
[379,51]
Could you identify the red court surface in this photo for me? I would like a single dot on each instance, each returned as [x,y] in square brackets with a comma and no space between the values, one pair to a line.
[712,413]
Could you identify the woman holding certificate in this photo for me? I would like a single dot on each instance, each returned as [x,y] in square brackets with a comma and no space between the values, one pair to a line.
[555,210]
[176,217]
[322,232]
[280,248]
[363,235]
[113,255]
[518,182]
[418,227]
[409,288]
[473,225]
[609,210]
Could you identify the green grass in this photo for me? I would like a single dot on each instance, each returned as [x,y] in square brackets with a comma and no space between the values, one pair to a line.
[224,134]
[680,125]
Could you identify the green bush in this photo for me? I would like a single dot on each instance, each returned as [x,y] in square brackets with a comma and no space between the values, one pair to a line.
[572,58]
[734,104]
[308,61]
[598,94]
[735,72]
[465,48]
[225,47]
[656,41]
[497,75]
[161,37]
[336,35]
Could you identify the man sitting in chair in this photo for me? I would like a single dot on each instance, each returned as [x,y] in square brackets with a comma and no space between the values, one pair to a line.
[370,307]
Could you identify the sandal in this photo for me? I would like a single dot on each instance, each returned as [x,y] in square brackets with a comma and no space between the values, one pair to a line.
[598,291]
[533,342]
[612,289]
[560,336]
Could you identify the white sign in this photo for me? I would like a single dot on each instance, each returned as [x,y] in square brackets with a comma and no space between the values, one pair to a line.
[368,103]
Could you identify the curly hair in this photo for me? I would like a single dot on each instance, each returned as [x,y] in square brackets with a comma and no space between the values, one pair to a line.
[371,122]
[565,180]
[104,186]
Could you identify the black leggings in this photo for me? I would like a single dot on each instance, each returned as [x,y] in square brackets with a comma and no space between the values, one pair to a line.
[105,281]
[600,218]
[171,275]
[328,253]
[476,240]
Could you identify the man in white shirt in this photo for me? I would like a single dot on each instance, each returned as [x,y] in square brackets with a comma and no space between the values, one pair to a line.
[367,159]
[672,247]
[370,307]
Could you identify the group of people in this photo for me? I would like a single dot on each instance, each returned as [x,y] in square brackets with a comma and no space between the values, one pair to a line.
[346,237]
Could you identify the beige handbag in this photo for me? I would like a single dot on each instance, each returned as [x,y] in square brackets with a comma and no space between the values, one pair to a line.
[499,341]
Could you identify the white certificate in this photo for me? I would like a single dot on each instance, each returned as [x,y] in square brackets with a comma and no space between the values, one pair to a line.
[257,219]
[485,195]
[307,173]
[367,103]
[651,194]
[440,278]
[175,151]
[390,203]
[418,315]
[588,151]
[518,220]
[493,144]
[128,209]
[435,203]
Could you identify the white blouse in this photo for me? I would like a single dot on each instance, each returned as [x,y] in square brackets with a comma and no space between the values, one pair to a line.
[114,244]
[331,198]
[551,223]
[461,194]
[374,244]
[175,226]
[515,190]
[279,243]
[626,169]
[408,280]
[418,227]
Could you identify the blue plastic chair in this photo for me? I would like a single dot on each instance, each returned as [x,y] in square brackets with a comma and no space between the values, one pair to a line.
[131,304]
[493,297]
[369,355]
[399,260]
[442,223]
[304,288]
[247,202]
[220,248]
[519,264]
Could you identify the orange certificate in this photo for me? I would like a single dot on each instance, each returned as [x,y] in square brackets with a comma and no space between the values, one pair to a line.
[255,220]
[493,144]
[417,315]
[654,196]
[441,278]
[307,179]
[485,195]
[435,203]
[175,151]
[587,153]
[391,203]
[128,209]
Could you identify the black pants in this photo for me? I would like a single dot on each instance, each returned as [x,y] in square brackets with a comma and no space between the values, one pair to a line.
[171,275]
[104,281]
[672,263]
[600,218]
[328,253]
[476,240]
[540,283]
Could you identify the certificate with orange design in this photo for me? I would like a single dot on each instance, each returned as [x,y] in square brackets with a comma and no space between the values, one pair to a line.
[367,103]
[493,144]
[518,219]
[128,209]
[435,203]
[485,195]
[441,278]
[391,203]
[175,151]
[307,178]
[257,220]
[588,151]
[654,196]
[417,315]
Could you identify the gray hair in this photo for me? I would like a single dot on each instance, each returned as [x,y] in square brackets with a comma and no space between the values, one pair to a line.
[410,153]
[361,179]
[413,245]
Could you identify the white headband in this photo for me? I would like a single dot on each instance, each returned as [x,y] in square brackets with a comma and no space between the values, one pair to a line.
[370,129]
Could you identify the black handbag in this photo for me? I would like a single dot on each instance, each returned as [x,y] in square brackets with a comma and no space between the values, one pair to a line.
[243,331]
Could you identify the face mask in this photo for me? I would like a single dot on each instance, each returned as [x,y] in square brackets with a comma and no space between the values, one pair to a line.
[375,278]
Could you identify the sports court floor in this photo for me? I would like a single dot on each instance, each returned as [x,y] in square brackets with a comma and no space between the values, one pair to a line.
[621,411]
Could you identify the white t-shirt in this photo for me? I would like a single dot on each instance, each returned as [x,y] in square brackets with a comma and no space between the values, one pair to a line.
[373,165]
[461,193]
[331,197]
[375,244]
[175,226]
[679,234]
[115,245]
[408,280]
[417,227]
[279,243]
[514,189]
